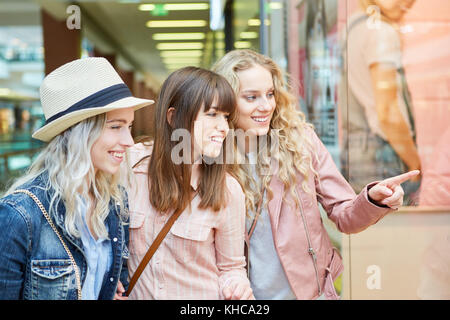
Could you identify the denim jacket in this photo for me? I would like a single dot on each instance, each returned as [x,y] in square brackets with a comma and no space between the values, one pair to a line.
[33,262]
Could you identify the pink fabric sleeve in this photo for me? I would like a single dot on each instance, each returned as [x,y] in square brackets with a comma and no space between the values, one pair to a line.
[350,212]
[229,239]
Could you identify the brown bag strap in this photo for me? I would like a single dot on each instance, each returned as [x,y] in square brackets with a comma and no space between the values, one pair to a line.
[151,251]
[257,214]
[255,219]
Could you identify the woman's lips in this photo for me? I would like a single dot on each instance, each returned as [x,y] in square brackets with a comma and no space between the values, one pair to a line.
[117,156]
[261,119]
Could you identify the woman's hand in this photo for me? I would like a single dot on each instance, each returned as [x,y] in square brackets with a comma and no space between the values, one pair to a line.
[238,291]
[120,292]
[389,192]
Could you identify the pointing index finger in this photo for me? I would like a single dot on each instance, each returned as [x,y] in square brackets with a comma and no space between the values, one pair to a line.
[404,176]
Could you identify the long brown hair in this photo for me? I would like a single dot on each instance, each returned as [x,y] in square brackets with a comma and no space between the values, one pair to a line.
[187,90]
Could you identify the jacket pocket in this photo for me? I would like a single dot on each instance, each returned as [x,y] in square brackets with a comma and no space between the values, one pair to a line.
[333,271]
[51,279]
[137,245]
[336,266]
[188,240]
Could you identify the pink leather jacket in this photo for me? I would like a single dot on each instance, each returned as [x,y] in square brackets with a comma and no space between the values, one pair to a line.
[305,250]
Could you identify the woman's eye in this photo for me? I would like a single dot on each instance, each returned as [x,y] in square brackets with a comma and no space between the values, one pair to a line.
[250,98]
[270,94]
[115,127]
[212,114]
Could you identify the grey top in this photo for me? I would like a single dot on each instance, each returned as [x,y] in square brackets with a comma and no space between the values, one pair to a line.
[267,277]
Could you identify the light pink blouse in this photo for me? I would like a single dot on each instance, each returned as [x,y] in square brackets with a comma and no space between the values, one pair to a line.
[202,253]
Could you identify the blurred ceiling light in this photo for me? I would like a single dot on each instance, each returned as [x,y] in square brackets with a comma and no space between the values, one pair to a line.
[175,60]
[5,91]
[256,22]
[179,53]
[220,35]
[220,45]
[175,6]
[275,5]
[175,23]
[146,7]
[180,46]
[179,36]
[249,35]
[186,6]
[242,44]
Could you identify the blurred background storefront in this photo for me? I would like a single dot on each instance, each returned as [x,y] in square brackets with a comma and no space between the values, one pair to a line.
[404,256]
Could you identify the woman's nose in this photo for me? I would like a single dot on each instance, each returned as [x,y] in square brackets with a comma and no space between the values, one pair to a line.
[222,124]
[264,104]
[127,138]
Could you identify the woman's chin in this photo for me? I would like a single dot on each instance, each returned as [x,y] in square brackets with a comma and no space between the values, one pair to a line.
[212,153]
[258,131]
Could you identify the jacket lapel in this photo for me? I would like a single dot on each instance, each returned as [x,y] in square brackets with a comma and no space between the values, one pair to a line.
[274,205]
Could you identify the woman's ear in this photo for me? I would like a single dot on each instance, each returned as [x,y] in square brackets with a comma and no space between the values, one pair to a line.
[170,114]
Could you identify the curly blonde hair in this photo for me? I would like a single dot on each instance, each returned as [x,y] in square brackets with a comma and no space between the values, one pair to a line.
[288,125]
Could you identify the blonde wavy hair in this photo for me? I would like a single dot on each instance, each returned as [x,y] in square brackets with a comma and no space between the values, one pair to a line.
[70,169]
[288,126]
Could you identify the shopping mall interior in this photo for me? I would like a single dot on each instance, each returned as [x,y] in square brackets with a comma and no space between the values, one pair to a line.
[147,40]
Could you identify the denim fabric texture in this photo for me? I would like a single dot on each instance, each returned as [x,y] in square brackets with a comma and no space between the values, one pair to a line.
[33,262]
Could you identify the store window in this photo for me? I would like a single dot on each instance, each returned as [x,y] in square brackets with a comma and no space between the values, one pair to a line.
[375,81]
[246,24]
[21,72]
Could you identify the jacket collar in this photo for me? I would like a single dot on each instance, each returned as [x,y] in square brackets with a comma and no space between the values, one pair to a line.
[274,205]
[277,187]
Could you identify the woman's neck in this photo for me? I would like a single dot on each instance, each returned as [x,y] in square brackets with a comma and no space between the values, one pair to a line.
[250,143]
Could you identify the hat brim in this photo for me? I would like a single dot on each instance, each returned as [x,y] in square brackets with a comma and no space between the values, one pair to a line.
[52,129]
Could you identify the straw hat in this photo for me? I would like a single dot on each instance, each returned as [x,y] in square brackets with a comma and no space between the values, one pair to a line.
[81,89]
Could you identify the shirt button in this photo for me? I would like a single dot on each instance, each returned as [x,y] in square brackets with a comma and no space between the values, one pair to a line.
[115,239]
[111,279]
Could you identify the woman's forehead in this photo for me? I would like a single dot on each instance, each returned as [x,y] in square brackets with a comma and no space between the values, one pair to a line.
[120,114]
[255,78]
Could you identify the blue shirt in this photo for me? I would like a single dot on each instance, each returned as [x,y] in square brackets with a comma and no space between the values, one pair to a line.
[99,257]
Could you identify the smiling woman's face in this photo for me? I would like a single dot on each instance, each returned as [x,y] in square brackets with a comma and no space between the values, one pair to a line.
[256,100]
[210,129]
[108,151]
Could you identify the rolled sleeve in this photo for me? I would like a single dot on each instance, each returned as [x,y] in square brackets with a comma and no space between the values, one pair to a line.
[230,237]
[350,212]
